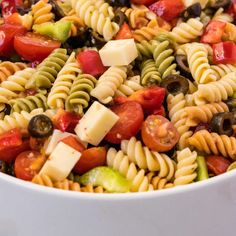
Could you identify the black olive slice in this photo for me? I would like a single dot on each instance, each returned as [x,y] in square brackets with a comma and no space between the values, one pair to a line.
[119,3]
[40,126]
[182,64]
[216,4]
[175,84]
[231,103]
[59,13]
[120,18]
[222,123]
[6,109]
[3,166]
[97,40]
[192,11]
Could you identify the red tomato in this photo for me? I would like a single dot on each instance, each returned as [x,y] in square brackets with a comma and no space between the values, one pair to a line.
[7,34]
[8,7]
[65,120]
[10,139]
[90,159]
[217,164]
[224,53]
[143,2]
[13,19]
[167,9]
[19,2]
[213,32]
[160,111]
[91,62]
[73,142]
[124,33]
[28,164]
[159,134]
[35,47]
[129,123]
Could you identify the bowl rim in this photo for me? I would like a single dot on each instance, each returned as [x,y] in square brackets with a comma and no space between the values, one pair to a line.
[116,196]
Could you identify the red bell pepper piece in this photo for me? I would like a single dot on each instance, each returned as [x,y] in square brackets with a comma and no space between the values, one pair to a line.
[143,2]
[213,32]
[224,52]
[125,32]
[8,7]
[217,164]
[65,121]
[91,63]
[167,9]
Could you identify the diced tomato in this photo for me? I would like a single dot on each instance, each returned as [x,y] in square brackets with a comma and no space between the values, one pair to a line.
[143,2]
[7,34]
[224,53]
[28,164]
[167,9]
[124,33]
[130,120]
[13,19]
[159,134]
[73,142]
[34,47]
[8,7]
[65,121]
[91,63]
[213,32]
[160,111]
[217,164]
[90,159]
[19,3]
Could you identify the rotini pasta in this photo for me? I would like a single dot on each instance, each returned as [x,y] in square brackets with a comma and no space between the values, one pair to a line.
[159,183]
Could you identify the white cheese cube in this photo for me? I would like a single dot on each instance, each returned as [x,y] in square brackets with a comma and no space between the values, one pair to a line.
[188,3]
[58,135]
[60,162]
[118,52]
[95,124]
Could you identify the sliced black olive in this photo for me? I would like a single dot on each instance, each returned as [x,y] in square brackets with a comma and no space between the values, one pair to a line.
[219,3]
[231,103]
[3,167]
[59,13]
[6,109]
[222,123]
[119,3]
[183,67]
[40,126]
[96,40]
[175,84]
[120,18]
[192,11]
[21,10]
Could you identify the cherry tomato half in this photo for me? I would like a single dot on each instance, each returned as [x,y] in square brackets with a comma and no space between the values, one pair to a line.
[28,164]
[35,47]
[159,134]
[129,123]
[90,159]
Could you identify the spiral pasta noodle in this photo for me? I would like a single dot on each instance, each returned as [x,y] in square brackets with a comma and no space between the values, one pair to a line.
[213,143]
[29,103]
[80,93]
[216,91]
[221,16]
[48,69]
[149,73]
[145,49]
[120,162]
[203,113]
[108,83]
[223,69]
[104,8]
[229,32]
[62,85]
[94,19]
[186,167]
[186,32]
[8,68]
[41,12]
[159,183]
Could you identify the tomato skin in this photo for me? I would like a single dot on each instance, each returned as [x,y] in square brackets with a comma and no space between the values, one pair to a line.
[28,164]
[159,134]
[8,7]
[143,2]
[65,120]
[90,158]
[167,9]
[7,34]
[224,52]
[124,32]
[217,164]
[213,32]
[130,121]
[34,47]
[13,19]
[91,63]
[73,142]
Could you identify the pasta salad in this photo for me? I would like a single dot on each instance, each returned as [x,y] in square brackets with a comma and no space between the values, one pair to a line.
[115,96]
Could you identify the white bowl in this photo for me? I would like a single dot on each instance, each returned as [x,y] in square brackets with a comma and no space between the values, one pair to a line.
[205,208]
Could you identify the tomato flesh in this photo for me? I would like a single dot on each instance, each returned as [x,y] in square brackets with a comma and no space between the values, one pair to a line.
[35,47]
[159,134]
[8,7]
[143,2]
[90,159]
[28,164]
[217,164]
[124,33]
[130,120]
[73,142]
